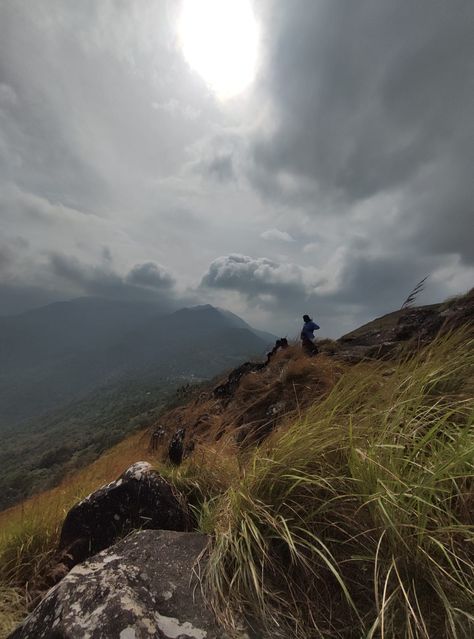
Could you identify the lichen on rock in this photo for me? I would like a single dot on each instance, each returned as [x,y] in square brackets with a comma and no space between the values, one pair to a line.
[143,587]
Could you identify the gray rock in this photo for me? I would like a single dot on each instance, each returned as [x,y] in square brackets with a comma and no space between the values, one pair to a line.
[228,388]
[276,409]
[143,587]
[176,447]
[353,354]
[157,438]
[139,498]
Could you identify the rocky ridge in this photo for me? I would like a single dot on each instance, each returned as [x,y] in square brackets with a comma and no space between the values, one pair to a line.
[254,399]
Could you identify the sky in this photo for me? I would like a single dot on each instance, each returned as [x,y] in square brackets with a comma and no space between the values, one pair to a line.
[272,158]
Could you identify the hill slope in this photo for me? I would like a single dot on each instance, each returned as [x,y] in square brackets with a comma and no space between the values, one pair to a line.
[58,353]
[353,516]
[76,398]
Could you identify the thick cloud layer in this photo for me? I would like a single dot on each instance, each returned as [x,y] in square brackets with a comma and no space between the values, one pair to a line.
[332,186]
[143,280]
[375,97]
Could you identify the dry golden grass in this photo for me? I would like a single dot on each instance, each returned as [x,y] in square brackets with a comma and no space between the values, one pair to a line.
[53,503]
[263,400]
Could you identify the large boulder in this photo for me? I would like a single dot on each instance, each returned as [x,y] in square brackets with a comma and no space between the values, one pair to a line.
[145,586]
[140,498]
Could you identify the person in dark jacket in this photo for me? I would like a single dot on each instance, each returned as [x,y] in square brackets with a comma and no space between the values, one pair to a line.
[307,336]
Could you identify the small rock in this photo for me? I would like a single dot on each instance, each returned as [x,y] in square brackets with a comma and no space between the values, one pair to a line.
[176,447]
[157,437]
[276,409]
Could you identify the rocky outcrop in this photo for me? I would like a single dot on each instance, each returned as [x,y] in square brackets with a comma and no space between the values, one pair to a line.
[157,438]
[139,498]
[419,324]
[176,447]
[143,587]
[280,344]
[228,388]
[387,336]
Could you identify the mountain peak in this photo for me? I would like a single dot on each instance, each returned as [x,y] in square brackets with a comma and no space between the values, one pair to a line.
[199,308]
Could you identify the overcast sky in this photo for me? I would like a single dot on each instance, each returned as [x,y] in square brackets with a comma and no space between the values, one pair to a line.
[330,183]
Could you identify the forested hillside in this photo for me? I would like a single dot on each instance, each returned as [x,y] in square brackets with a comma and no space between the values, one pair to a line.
[75,378]
[61,352]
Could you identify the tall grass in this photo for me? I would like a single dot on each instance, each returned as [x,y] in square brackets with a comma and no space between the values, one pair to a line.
[204,478]
[357,520]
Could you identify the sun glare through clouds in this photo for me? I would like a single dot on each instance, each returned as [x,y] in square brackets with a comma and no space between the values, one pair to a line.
[219,39]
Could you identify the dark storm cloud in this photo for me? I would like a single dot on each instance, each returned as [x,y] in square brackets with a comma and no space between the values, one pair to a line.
[285,291]
[383,280]
[151,275]
[374,96]
[439,207]
[379,282]
[64,277]
[366,93]
[144,281]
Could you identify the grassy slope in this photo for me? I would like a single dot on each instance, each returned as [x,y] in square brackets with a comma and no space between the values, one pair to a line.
[36,457]
[353,520]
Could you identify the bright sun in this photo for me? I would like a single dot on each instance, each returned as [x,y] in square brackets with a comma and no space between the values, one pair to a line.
[219,40]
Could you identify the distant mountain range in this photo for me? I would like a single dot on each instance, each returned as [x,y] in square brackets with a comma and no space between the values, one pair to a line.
[61,352]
